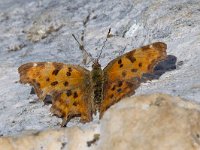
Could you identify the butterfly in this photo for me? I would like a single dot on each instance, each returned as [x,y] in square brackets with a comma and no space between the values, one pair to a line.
[76,91]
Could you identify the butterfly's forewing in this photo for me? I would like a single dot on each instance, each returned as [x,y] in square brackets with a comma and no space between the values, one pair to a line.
[124,74]
[68,85]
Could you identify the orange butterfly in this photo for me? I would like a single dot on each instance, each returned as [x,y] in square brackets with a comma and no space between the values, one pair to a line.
[76,91]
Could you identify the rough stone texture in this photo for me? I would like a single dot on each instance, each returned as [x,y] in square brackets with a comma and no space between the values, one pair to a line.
[157,121]
[61,139]
[41,31]
[145,122]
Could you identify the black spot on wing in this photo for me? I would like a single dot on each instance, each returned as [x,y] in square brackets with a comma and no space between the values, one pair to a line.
[70,69]
[119,61]
[65,83]
[54,83]
[75,95]
[119,90]
[120,83]
[69,92]
[140,64]
[55,72]
[68,73]
[113,88]
[133,70]
[131,57]
[75,103]
[58,67]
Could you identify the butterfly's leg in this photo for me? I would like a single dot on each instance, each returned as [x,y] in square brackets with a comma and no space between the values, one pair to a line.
[84,118]
[65,121]
[68,118]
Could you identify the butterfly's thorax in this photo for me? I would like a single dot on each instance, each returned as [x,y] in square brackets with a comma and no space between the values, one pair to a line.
[97,79]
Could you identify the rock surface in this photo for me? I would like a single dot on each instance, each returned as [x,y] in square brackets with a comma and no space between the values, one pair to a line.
[41,31]
[145,122]
[68,138]
[157,122]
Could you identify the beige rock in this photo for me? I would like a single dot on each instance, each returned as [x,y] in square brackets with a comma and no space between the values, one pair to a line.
[158,121]
[60,139]
[155,121]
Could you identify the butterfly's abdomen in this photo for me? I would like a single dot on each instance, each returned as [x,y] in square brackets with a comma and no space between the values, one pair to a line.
[97,78]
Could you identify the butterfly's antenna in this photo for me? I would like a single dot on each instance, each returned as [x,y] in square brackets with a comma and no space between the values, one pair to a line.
[81,46]
[104,43]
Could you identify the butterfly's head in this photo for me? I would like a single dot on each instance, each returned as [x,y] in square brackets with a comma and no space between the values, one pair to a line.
[96,64]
